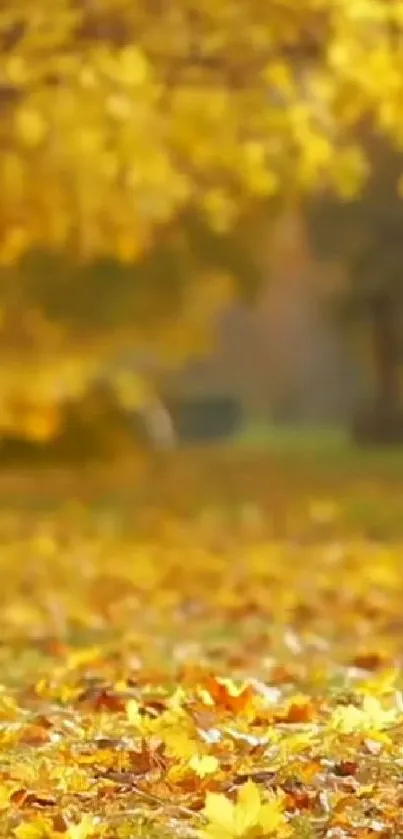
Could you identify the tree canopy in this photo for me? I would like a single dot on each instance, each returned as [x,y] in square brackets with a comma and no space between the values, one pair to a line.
[115,115]
[137,134]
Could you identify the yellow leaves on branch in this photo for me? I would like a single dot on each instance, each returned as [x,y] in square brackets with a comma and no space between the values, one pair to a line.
[129,66]
[118,122]
[249,818]
[30,126]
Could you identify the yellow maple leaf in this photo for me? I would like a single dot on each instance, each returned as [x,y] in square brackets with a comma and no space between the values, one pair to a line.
[248,817]
[179,744]
[5,795]
[38,829]
[84,828]
[220,812]
[41,828]
[382,684]
[204,765]
[371,717]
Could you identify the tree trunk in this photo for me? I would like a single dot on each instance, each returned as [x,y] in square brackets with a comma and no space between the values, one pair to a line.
[382,421]
[386,357]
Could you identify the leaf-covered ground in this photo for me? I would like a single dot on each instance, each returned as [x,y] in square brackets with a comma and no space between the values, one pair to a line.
[216,654]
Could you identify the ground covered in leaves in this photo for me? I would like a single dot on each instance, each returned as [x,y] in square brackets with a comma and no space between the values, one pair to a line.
[219,656]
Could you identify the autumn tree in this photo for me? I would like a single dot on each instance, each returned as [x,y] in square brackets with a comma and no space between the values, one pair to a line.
[123,121]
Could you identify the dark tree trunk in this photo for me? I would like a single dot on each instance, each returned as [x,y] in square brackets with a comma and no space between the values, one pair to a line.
[382,421]
[386,355]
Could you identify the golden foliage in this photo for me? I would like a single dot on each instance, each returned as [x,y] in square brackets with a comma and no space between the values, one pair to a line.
[249,817]
[116,115]
[191,669]
[118,118]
